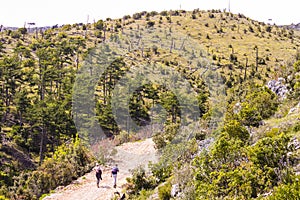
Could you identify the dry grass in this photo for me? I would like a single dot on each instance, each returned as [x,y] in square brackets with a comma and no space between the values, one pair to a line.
[282,121]
[228,33]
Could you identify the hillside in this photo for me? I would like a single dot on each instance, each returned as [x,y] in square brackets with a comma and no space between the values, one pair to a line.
[192,80]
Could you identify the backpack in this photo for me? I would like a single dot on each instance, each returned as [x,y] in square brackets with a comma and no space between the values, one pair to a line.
[114,170]
[98,170]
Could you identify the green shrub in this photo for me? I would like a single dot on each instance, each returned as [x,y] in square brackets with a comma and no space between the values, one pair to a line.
[273,132]
[140,181]
[98,34]
[297,66]
[161,170]
[164,13]
[296,127]
[162,139]
[124,137]
[200,135]
[264,155]
[3,198]
[214,57]
[137,16]
[235,130]
[99,25]
[22,30]
[286,191]
[67,27]
[67,163]
[15,34]
[164,191]
[258,103]
[231,170]
[233,58]
[150,23]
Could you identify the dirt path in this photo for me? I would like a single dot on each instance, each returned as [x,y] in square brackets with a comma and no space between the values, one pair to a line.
[128,156]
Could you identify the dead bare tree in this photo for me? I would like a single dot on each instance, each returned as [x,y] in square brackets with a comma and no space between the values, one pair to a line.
[172,45]
[256,58]
[246,66]
[182,44]
[104,33]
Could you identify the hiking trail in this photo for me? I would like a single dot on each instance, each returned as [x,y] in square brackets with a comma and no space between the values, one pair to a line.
[129,155]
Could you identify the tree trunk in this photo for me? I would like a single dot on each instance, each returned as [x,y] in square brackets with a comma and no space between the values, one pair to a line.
[104,89]
[171,47]
[246,66]
[41,154]
[256,60]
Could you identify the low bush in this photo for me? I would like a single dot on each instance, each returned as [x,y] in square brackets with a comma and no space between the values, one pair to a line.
[286,191]
[164,191]
[68,163]
[140,181]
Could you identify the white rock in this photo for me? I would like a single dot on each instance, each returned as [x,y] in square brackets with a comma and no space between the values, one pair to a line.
[175,190]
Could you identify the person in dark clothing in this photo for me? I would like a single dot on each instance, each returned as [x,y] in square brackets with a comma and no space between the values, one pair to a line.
[98,170]
[114,173]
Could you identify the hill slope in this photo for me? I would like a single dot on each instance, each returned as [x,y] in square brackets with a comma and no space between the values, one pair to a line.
[38,72]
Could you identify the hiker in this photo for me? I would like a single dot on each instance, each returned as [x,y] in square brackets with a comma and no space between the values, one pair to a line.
[98,173]
[114,173]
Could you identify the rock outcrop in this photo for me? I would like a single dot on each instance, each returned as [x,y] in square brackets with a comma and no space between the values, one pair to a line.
[278,87]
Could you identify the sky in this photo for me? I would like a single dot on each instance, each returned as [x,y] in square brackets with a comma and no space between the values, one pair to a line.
[47,13]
